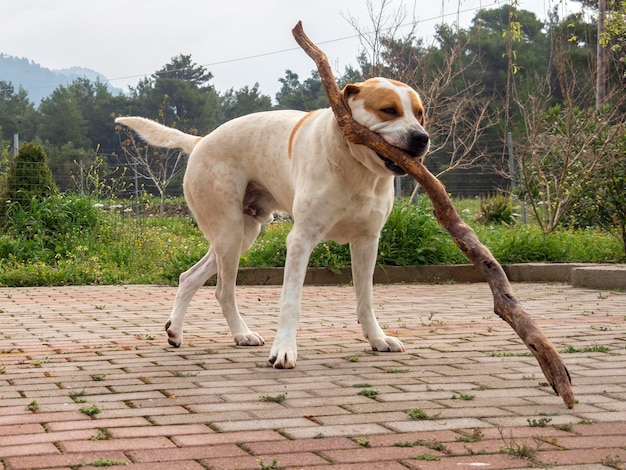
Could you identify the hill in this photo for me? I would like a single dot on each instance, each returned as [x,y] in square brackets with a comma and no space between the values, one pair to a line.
[39,81]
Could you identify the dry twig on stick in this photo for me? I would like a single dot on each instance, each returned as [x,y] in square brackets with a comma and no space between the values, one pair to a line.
[506,306]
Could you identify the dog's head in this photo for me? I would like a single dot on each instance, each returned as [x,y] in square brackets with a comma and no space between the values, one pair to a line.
[394,111]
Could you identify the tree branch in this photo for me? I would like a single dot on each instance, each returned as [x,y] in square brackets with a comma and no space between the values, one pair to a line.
[505,304]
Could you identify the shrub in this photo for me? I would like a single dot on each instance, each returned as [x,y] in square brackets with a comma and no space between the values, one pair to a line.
[29,177]
[612,213]
[47,229]
[601,202]
[496,209]
[412,236]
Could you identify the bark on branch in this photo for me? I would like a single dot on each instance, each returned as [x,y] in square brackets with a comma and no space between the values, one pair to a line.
[506,306]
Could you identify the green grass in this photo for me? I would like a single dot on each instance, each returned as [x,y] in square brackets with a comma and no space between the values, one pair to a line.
[419,414]
[92,410]
[71,240]
[274,399]
[585,349]
[106,463]
[39,249]
[33,406]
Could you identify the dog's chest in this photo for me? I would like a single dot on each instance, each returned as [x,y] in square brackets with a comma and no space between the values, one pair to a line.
[359,218]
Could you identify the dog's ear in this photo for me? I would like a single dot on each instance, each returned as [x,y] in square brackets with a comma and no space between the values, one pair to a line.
[348,91]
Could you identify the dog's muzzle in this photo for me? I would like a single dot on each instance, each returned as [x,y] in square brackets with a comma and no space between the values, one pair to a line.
[416,145]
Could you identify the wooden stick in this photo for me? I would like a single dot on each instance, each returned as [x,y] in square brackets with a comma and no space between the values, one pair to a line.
[506,306]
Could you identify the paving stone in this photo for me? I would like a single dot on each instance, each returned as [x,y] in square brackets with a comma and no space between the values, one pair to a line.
[79,459]
[34,438]
[249,438]
[173,454]
[115,444]
[169,431]
[27,449]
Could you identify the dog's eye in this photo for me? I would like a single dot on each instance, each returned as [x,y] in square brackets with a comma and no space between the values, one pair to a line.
[390,111]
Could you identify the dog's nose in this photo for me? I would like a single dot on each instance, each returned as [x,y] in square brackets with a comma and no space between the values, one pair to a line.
[418,142]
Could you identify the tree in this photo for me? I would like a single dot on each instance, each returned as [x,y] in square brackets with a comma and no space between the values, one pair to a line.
[244,101]
[97,106]
[506,38]
[563,145]
[573,57]
[615,27]
[601,201]
[62,120]
[178,94]
[306,96]
[17,113]
[158,166]
[458,111]
[613,36]
[374,39]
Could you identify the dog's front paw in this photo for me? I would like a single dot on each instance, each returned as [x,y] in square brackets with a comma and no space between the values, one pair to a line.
[174,336]
[249,339]
[386,344]
[283,355]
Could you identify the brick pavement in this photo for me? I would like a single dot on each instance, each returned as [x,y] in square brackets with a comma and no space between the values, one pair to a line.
[87,379]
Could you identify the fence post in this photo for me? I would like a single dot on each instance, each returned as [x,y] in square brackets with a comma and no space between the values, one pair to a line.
[136,189]
[82,177]
[509,139]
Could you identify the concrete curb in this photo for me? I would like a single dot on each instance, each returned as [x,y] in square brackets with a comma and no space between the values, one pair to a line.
[593,276]
[600,277]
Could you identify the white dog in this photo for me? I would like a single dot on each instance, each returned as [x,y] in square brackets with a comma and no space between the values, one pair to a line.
[299,163]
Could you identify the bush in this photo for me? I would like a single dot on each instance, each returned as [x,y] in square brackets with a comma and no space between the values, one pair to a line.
[47,229]
[601,202]
[412,236]
[29,177]
[496,209]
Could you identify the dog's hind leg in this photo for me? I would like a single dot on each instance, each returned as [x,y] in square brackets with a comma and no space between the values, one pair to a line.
[363,252]
[189,283]
[193,279]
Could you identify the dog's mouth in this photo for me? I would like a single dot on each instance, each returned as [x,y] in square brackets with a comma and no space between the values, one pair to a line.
[392,167]
[416,144]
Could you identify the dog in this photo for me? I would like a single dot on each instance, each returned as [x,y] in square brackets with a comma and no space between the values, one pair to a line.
[300,163]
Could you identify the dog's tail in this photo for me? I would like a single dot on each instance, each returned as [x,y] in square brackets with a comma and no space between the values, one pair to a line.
[159,135]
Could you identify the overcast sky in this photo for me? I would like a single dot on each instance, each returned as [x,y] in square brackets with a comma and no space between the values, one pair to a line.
[240,42]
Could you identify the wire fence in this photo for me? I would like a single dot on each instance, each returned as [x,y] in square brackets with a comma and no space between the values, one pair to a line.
[133,204]
[120,187]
